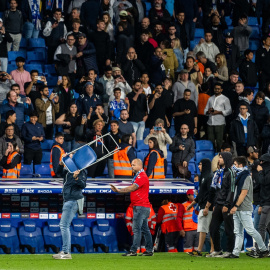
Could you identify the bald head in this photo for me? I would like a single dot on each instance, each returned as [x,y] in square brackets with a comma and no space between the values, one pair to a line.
[136,165]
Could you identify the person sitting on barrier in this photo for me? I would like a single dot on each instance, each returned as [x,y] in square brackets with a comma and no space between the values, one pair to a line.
[97,169]
[57,153]
[122,159]
[11,161]
[154,162]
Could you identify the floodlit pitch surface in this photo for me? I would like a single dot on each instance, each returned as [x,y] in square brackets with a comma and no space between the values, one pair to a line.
[162,261]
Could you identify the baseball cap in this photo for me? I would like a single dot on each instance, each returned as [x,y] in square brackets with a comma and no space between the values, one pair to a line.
[252,149]
[228,35]
[183,71]
[123,13]
[190,192]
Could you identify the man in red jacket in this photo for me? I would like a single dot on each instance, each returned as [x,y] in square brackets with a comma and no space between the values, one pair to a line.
[139,196]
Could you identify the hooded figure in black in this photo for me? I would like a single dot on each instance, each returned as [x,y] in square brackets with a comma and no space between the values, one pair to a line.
[222,192]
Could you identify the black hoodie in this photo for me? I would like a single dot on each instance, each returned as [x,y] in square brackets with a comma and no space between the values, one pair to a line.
[204,184]
[264,180]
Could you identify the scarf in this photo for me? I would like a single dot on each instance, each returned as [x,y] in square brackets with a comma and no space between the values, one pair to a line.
[80,48]
[217,179]
[136,175]
[35,7]
[59,4]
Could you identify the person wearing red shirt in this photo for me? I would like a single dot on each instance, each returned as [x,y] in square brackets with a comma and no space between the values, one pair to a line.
[139,197]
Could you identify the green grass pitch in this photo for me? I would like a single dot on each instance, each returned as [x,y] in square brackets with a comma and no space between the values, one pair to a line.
[160,261]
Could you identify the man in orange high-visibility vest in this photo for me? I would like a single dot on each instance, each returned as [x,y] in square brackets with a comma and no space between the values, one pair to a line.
[186,218]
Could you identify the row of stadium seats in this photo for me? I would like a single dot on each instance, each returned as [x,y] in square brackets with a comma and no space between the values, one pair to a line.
[30,238]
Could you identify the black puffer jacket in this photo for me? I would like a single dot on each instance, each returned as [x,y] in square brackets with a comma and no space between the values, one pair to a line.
[72,189]
[264,180]
[204,183]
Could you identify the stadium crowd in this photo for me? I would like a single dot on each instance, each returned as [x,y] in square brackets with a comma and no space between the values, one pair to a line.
[147,77]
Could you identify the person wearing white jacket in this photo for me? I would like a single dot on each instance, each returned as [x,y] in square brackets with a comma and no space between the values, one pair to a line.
[207,46]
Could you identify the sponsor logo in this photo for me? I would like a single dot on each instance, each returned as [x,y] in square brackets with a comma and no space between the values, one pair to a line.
[34,210]
[10,190]
[14,204]
[59,216]
[105,191]
[82,216]
[34,198]
[100,210]
[100,216]
[53,216]
[110,216]
[43,210]
[165,191]
[43,204]
[28,190]
[15,198]
[119,215]
[34,204]
[45,191]
[16,215]
[25,215]
[91,210]
[91,215]
[89,191]
[78,225]
[34,215]
[24,198]
[5,215]
[25,204]
[43,216]
[6,198]
[181,191]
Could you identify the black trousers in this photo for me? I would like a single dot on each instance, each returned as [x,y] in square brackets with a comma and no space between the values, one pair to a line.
[48,132]
[32,155]
[217,219]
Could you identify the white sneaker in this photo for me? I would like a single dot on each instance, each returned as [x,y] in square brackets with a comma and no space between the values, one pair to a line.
[214,254]
[224,255]
[62,256]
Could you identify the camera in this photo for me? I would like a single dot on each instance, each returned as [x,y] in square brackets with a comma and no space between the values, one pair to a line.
[157,128]
[84,116]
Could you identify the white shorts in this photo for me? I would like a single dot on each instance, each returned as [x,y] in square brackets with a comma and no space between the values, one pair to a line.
[204,221]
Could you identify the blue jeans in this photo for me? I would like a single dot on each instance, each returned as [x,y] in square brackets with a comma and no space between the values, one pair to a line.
[139,129]
[110,167]
[140,225]
[243,220]
[69,211]
[70,146]
[4,63]
[257,221]
[29,30]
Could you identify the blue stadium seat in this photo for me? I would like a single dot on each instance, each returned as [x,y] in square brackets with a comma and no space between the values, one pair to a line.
[255,33]
[49,69]
[199,33]
[13,55]
[23,43]
[1,14]
[228,20]
[172,132]
[35,57]
[192,168]
[31,237]
[43,170]
[104,237]
[204,145]
[51,80]
[36,43]
[205,154]
[142,154]
[9,241]
[52,236]
[169,156]
[47,145]
[254,44]
[105,172]
[76,95]
[146,132]
[252,21]
[46,157]
[193,43]
[140,145]
[148,6]
[26,171]
[37,67]
[11,67]
[169,169]
[81,238]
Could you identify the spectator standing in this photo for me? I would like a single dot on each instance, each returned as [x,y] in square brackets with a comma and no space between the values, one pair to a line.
[178,51]
[182,84]
[10,120]
[222,70]
[182,30]
[132,67]
[32,134]
[248,70]
[55,32]
[225,147]
[153,163]
[244,131]
[183,150]
[47,106]
[20,75]
[217,108]
[194,72]
[11,162]
[126,127]
[19,108]
[76,27]
[57,153]
[185,112]
[207,46]
[157,68]
[241,34]
[137,109]
[10,137]
[5,84]
[13,20]
[5,38]
[265,135]
[201,56]
[159,14]
[97,113]
[140,201]
[117,104]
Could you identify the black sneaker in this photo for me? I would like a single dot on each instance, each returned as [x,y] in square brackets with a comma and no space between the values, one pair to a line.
[195,253]
[231,256]
[253,254]
[263,254]
[147,253]
[130,253]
